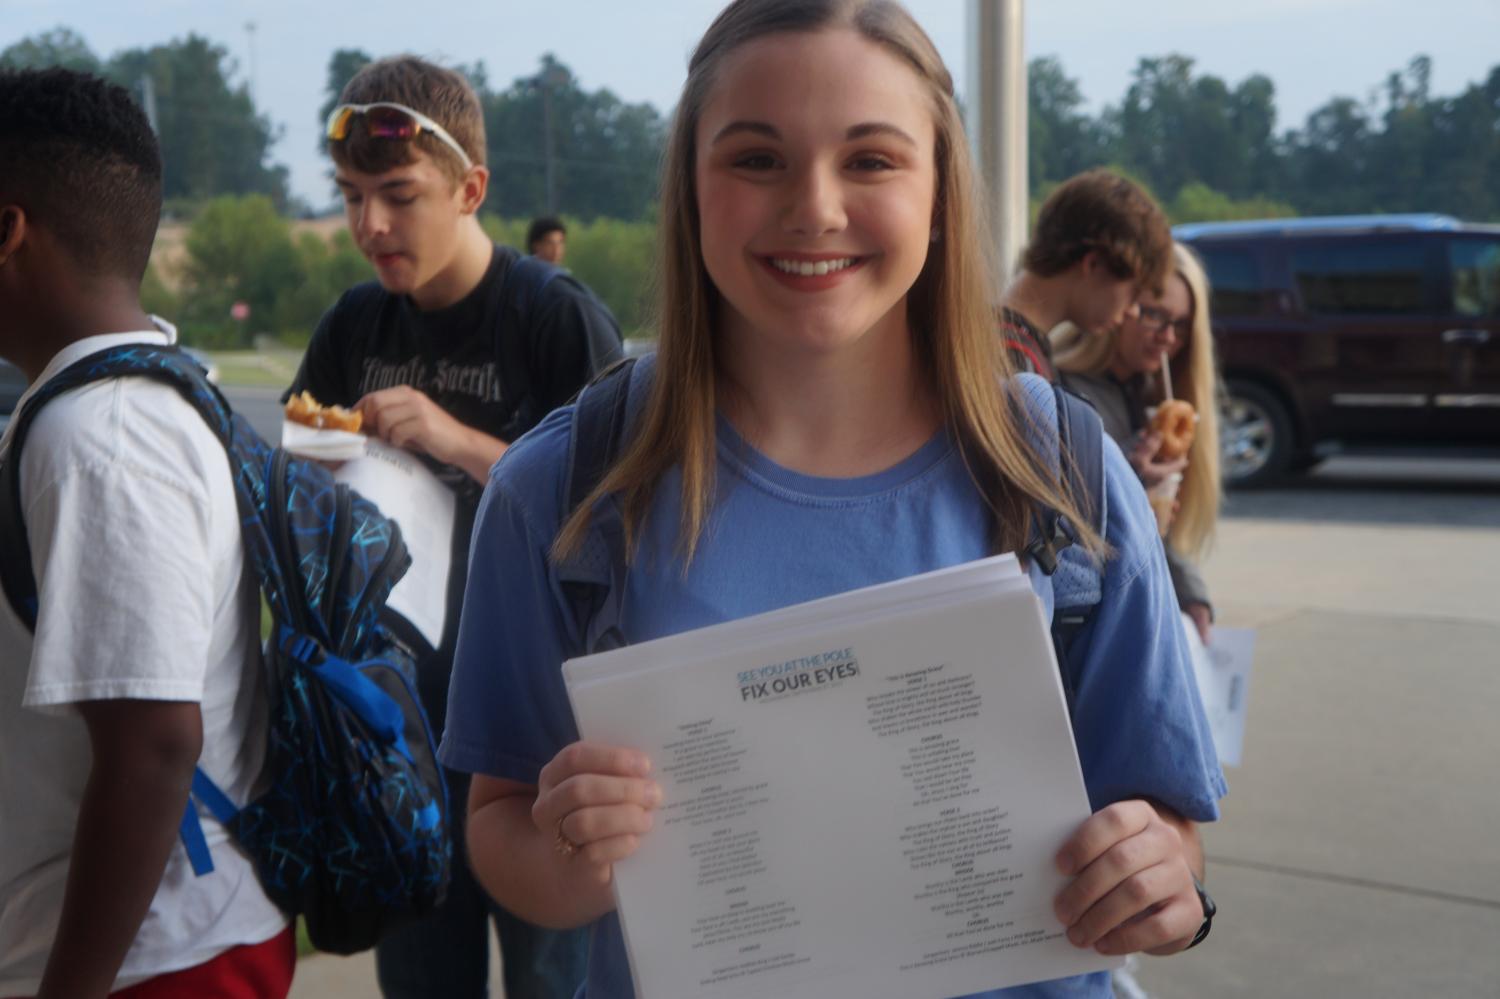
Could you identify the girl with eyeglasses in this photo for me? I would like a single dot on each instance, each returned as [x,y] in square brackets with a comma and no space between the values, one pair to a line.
[1123,374]
[829,409]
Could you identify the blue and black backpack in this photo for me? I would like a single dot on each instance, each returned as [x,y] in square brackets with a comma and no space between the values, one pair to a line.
[351,831]
[592,580]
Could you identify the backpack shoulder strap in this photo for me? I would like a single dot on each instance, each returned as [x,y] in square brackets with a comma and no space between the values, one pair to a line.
[1080,439]
[511,318]
[1025,344]
[161,363]
[593,580]
[1077,584]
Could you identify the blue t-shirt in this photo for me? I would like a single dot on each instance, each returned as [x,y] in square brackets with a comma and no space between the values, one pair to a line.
[777,537]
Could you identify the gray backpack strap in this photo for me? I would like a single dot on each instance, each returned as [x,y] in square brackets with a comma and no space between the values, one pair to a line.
[593,579]
[1077,582]
[1080,440]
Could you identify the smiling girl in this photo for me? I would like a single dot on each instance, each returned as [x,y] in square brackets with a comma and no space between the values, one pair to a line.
[829,409]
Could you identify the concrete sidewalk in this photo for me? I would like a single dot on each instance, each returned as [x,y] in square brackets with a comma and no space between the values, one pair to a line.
[1358,854]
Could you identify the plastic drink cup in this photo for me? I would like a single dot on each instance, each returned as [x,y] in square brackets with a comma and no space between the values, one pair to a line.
[1163,497]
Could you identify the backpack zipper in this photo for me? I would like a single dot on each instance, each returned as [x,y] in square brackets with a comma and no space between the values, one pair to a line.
[376,582]
[277,489]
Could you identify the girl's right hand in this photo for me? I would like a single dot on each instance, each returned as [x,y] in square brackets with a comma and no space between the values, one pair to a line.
[1142,458]
[596,802]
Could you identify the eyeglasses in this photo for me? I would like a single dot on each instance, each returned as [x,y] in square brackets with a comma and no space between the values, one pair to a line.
[1157,320]
[385,120]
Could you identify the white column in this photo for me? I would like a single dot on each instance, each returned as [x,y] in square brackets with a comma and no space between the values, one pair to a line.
[997,116]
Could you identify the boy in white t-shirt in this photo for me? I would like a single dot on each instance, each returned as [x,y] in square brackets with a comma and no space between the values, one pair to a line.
[145,659]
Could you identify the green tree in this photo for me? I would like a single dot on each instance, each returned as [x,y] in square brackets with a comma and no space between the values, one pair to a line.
[59,47]
[212,140]
[239,249]
[1062,140]
[1200,203]
[326,268]
[604,152]
[1175,128]
[1328,160]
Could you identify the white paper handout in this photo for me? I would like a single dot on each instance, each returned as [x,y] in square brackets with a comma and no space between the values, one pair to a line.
[1222,670]
[864,795]
[407,492]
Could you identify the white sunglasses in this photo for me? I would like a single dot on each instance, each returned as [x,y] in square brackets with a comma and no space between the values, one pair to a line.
[385,120]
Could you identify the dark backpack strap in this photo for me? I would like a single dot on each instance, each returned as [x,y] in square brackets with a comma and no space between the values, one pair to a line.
[161,363]
[511,315]
[593,580]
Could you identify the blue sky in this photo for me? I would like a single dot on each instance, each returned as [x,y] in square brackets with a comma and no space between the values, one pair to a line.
[1311,49]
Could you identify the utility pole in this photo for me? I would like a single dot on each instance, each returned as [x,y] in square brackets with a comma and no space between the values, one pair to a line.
[549,79]
[548,149]
[148,101]
[998,113]
[148,105]
[250,34]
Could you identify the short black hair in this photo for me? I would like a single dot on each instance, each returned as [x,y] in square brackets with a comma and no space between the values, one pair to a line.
[542,227]
[78,155]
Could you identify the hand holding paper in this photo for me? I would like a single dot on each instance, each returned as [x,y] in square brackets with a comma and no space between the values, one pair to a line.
[407,418]
[1133,889]
[598,802]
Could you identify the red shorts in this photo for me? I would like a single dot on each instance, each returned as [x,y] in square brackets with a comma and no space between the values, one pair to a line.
[249,971]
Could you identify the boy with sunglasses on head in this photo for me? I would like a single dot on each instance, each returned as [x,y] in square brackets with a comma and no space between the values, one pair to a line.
[140,657]
[1100,240]
[453,353]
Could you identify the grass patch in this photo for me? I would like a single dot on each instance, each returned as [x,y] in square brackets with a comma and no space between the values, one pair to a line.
[304,943]
[255,368]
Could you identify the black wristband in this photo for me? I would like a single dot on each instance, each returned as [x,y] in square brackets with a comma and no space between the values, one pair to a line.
[1209,909]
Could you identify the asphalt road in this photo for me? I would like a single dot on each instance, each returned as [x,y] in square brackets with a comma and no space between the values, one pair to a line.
[261,406]
[1357,854]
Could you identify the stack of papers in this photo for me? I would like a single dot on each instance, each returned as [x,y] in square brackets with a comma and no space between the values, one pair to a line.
[864,794]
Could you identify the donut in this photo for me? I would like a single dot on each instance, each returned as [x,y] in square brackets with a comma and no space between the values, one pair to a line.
[1174,421]
[306,410]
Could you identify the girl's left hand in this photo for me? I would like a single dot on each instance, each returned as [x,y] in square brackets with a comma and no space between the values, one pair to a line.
[1133,889]
[1203,620]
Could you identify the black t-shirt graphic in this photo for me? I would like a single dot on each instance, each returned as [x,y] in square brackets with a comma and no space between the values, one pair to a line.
[484,360]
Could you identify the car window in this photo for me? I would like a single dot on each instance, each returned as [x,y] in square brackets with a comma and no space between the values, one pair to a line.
[1475,268]
[1384,277]
[1234,284]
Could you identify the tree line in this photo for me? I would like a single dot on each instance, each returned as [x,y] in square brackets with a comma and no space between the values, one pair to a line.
[1206,147]
[1211,150]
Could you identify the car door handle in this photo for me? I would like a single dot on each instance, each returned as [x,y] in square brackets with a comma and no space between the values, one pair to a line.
[1466,336]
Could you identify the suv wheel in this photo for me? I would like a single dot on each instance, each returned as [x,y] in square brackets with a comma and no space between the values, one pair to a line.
[1255,434]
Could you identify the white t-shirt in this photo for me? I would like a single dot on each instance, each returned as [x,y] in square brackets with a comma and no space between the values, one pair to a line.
[135,543]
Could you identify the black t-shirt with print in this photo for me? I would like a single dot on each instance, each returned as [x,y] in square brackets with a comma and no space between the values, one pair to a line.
[489,362]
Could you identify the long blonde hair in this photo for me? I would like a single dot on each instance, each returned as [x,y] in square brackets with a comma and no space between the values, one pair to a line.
[950,305]
[1194,378]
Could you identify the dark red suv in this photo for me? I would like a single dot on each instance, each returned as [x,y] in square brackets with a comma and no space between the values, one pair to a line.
[1353,332]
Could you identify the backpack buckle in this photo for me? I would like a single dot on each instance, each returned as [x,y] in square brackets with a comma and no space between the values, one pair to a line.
[299,647]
